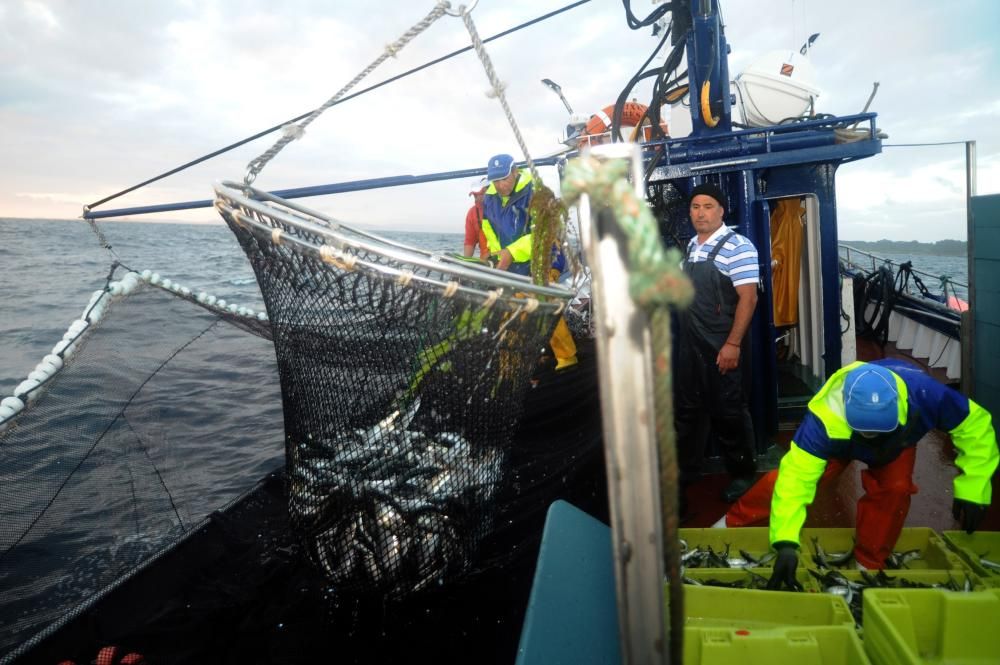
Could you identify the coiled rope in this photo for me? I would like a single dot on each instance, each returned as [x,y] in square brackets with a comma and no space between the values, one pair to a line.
[293,131]
[656,282]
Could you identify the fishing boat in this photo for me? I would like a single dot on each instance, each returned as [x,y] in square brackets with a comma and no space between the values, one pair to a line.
[408,523]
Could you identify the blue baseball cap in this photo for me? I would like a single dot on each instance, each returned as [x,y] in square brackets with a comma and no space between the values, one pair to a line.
[499,167]
[871,402]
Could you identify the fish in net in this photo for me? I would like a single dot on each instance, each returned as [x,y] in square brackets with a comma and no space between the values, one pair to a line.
[403,377]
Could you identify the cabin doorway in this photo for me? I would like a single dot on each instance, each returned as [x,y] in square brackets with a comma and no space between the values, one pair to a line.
[796,303]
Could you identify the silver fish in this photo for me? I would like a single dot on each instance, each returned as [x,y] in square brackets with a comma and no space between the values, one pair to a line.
[990,565]
[898,560]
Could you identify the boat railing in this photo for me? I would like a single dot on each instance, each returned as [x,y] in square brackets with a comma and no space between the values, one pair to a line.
[858,259]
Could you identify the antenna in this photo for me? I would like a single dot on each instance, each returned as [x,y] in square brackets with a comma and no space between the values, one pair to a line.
[554,87]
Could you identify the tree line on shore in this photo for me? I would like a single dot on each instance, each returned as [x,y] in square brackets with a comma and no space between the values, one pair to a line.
[939,248]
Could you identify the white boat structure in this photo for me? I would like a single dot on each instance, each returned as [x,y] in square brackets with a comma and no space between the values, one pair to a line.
[899,309]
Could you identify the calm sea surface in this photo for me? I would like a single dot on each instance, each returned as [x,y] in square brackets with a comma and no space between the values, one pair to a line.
[48,269]
[931,269]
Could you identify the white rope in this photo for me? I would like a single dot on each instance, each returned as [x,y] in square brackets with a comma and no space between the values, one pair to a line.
[405,278]
[491,298]
[451,289]
[498,89]
[288,134]
[337,258]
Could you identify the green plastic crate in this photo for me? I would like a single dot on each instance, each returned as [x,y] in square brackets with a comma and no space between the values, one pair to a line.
[728,575]
[817,645]
[914,627]
[749,609]
[970,547]
[934,552]
[755,539]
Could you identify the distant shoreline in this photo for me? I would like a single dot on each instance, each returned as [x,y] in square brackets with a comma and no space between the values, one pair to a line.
[939,248]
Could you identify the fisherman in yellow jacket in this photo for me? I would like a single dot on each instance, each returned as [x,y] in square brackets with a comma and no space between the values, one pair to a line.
[876,413]
[507,227]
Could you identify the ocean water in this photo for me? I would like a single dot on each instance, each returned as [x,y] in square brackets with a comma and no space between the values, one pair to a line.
[930,269]
[48,269]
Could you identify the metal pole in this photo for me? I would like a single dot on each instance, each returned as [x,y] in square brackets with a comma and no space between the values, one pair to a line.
[969,318]
[625,367]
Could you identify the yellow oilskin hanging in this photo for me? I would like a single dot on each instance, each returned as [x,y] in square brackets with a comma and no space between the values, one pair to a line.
[786,259]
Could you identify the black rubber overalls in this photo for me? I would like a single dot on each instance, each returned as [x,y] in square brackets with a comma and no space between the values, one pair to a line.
[705,399]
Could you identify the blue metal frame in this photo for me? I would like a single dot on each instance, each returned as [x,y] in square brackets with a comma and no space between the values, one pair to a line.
[753,166]
[320,190]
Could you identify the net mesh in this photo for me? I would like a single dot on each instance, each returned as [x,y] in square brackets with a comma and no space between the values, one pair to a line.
[670,207]
[403,379]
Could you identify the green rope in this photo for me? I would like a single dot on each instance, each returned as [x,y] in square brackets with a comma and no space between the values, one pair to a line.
[656,281]
[548,216]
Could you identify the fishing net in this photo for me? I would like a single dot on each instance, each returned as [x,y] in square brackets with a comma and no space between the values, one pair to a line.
[143,433]
[127,517]
[670,207]
[403,377]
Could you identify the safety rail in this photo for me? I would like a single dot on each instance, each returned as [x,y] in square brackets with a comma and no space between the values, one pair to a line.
[947,283]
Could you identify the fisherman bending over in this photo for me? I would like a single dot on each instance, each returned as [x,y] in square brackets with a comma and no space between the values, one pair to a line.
[873,412]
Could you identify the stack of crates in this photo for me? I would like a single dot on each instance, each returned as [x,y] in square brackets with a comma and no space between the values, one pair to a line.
[918,626]
[733,625]
[901,625]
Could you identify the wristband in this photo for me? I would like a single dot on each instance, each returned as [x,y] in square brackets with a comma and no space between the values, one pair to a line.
[732,344]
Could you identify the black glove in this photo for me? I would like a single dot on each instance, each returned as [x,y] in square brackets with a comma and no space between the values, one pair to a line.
[784,567]
[968,514]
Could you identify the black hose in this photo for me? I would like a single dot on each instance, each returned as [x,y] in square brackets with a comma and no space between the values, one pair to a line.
[877,288]
[653,17]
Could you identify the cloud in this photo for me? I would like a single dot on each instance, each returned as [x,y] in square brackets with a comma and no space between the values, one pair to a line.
[143,88]
[41,15]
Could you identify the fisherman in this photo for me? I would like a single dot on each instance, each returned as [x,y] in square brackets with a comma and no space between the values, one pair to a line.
[474,235]
[506,216]
[507,227]
[710,380]
[873,412]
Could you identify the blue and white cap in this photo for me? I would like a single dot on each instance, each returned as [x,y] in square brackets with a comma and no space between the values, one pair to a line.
[499,167]
[871,402]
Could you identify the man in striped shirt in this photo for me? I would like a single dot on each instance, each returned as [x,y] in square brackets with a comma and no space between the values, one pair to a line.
[709,389]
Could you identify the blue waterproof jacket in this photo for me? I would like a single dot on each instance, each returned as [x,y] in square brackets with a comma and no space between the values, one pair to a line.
[507,224]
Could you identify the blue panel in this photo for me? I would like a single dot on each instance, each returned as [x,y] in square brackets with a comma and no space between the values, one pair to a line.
[988,293]
[987,242]
[985,286]
[572,614]
[986,211]
[986,375]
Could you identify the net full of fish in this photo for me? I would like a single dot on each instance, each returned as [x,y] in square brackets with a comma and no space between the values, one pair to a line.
[390,507]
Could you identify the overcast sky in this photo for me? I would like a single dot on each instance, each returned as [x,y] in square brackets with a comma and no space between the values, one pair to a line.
[97,96]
